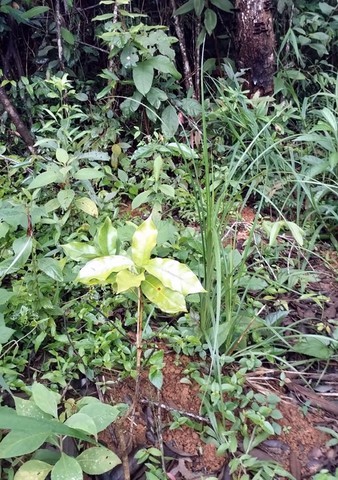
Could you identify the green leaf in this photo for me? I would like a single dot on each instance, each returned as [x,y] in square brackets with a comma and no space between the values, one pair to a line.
[143,242]
[126,280]
[20,443]
[51,267]
[157,168]
[62,155]
[326,8]
[88,174]
[143,76]
[101,414]
[67,468]
[22,248]
[33,470]
[190,105]
[87,205]
[5,332]
[106,238]
[80,251]
[297,232]
[312,346]
[156,377]
[140,199]
[174,275]
[34,12]
[164,298]
[185,8]
[45,178]
[67,36]
[274,232]
[170,122]
[97,460]
[81,421]
[165,65]
[95,156]
[45,399]
[9,420]
[224,5]
[28,408]
[210,20]
[167,190]
[330,118]
[5,296]
[129,56]
[98,270]
[65,198]
[155,97]
[199,7]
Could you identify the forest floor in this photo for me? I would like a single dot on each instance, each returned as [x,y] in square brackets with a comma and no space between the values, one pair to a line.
[309,399]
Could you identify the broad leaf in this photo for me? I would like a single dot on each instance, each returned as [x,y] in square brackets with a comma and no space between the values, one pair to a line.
[140,199]
[5,295]
[88,174]
[45,399]
[199,6]
[297,232]
[224,5]
[87,205]
[164,298]
[143,76]
[62,155]
[185,8]
[101,414]
[155,97]
[67,36]
[45,178]
[143,242]
[313,346]
[81,421]
[5,333]
[51,267]
[66,468]
[210,20]
[164,65]
[174,275]
[170,121]
[20,443]
[97,460]
[80,251]
[22,248]
[99,269]
[34,12]
[9,420]
[65,198]
[28,408]
[33,470]
[167,190]
[106,238]
[126,280]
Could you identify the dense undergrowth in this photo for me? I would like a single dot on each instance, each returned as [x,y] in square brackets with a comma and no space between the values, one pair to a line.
[124,146]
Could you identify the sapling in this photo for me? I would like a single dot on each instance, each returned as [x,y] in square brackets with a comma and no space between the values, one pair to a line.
[163,282]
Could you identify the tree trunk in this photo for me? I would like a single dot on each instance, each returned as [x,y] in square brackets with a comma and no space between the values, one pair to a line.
[15,117]
[256,43]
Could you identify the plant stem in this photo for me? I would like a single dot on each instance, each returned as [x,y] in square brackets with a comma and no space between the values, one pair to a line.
[138,341]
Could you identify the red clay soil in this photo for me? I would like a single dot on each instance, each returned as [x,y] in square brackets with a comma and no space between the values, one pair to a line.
[301,448]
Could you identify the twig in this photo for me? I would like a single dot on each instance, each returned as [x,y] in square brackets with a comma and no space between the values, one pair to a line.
[163,406]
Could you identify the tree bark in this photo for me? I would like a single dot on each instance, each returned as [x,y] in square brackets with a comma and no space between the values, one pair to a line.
[15,117]
[255,42]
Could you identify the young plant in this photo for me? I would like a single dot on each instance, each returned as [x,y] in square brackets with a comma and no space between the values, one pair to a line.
[37,421]
[163,282]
